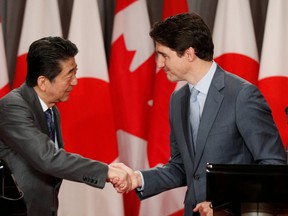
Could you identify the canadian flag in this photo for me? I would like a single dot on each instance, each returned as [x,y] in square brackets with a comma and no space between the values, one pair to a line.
[87,117]
[158,139]
[41,19]
[159,130]
[4,81]
[234,39]
[132,70]
[273,75]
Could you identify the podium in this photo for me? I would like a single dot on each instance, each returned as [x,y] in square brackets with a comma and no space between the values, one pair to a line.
[247,190]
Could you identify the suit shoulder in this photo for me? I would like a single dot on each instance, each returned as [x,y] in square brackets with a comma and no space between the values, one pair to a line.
[235,79]
[239,87]
[13,96]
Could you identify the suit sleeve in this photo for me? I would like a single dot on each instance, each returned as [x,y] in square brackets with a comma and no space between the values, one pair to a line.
[169,176]
[20,132]
[256,125]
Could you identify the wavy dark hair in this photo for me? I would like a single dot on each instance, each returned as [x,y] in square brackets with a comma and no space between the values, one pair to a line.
[182,31]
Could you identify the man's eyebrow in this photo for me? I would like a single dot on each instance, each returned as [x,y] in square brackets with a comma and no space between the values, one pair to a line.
[159,52]
[73,69]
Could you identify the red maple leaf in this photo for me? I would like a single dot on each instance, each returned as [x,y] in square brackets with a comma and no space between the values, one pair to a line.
[120,5]
[131,90]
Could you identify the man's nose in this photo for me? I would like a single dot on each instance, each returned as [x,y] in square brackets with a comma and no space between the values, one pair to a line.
[160,62]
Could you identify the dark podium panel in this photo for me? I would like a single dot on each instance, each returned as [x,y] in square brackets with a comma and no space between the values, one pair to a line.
[238,189]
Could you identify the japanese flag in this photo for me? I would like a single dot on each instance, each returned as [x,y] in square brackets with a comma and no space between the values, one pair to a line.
[41,19]
[87,118]
[273,75]
[234,39]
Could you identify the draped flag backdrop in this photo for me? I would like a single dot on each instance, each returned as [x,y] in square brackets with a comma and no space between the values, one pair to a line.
[273,74]
[41,19]
[236,49]
[4,80]
[87,119]
[119,110]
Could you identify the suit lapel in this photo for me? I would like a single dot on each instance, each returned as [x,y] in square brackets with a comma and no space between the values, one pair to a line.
[185,121]
[211,108]
[32,99]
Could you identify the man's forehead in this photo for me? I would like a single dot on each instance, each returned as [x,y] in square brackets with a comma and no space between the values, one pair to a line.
[162,49]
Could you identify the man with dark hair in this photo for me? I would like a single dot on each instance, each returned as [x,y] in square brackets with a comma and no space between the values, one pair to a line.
[31,144]
[227,122]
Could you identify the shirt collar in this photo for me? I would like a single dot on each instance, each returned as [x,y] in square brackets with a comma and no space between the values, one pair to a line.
[43,105]
[204,84]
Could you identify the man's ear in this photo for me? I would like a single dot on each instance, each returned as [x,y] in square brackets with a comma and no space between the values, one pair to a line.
[190,52]
[41,82]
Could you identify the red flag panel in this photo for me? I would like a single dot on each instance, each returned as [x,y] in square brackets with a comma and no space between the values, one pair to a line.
[87,121]
[275,91]
[240,65]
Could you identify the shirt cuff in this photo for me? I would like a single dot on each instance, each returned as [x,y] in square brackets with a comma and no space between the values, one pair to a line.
[140,189]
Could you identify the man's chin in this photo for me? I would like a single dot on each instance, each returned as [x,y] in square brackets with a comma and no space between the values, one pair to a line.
[171,78]
[63,99]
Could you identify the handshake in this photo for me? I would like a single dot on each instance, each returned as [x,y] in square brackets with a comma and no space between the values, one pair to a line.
[123,178]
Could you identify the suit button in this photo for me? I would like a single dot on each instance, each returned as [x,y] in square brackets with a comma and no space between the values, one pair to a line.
[196,177]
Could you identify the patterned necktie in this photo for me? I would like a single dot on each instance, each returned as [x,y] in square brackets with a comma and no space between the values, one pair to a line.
[194,114]
[50,123]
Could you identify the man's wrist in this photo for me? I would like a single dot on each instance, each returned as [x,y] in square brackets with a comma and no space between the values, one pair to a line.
[139,178]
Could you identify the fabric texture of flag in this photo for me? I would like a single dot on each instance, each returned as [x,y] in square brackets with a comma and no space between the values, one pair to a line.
[234,39]
[4,81]
[170,202]
[132,70]
[273,74]
[41,19]
[87,117]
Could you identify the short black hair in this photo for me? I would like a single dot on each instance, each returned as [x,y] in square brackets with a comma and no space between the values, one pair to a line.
[182,31]
[44,56]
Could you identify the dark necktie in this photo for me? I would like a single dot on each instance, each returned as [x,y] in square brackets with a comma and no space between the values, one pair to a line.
[50,123]
[194,114]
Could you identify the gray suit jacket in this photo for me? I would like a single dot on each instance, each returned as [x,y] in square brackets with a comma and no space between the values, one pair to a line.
[236,128]
[38,168]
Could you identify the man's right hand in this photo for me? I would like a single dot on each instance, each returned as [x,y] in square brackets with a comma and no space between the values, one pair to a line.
[135,178]
[123,179]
